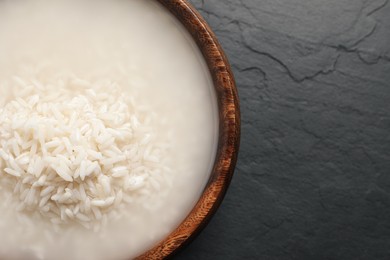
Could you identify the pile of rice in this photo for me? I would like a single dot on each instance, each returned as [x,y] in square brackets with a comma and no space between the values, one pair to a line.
[73,152]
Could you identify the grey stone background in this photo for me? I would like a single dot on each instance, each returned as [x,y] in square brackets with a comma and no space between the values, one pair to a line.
[313,177]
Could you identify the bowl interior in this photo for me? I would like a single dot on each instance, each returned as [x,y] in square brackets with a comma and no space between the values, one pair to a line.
[229,131]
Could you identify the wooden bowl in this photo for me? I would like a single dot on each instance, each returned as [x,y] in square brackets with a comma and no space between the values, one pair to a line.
[229,131]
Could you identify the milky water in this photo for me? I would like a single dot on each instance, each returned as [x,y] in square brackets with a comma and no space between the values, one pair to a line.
[164,67]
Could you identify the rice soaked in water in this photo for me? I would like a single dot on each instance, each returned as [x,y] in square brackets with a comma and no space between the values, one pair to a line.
[108,127]
[77,154]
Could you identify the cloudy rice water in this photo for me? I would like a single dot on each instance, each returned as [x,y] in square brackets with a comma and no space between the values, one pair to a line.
[108,127]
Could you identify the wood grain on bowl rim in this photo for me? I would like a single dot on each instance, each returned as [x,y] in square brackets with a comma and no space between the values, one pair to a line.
[229,131]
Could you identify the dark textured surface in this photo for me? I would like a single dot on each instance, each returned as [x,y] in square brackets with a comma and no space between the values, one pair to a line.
[313,177]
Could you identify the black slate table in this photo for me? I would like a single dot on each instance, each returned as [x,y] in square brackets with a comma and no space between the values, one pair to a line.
[313,177]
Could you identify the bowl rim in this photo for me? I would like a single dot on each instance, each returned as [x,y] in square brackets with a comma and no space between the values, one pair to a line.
[229,131]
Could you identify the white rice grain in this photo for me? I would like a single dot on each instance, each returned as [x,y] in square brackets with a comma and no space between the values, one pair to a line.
[12,172]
